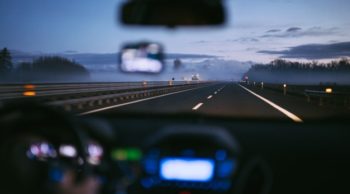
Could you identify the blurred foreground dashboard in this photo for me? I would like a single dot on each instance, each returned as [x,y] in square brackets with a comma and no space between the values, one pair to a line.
[189,154]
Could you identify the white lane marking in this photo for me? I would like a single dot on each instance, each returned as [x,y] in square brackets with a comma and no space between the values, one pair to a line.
[197,106]
[209,97]
[282,110]
[136,101]
[219,90]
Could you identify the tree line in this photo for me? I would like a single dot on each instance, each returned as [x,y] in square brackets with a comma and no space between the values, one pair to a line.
[5,61]
[284,65]
[45,68]
[281,70]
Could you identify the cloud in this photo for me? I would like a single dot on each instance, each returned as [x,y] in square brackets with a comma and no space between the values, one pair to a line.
[244,40]
[314,51]
[294,32]
[293,29]
[273,31]
[187,56]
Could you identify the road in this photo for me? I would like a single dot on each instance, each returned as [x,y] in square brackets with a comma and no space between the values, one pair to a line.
[226,99]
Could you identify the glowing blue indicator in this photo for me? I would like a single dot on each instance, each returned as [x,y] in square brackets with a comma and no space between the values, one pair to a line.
[221,155]
[150,166]
[226,168]
[56,174]
[187,169]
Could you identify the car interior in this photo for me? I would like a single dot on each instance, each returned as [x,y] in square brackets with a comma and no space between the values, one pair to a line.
[52,144]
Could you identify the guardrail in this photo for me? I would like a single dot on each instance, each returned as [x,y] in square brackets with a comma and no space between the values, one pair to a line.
[85,96]
[337,95]
[328,97]
[10,91]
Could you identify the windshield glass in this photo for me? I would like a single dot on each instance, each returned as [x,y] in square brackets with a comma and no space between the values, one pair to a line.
[279,52]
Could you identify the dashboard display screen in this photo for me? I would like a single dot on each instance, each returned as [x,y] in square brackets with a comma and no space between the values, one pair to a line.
[187,169]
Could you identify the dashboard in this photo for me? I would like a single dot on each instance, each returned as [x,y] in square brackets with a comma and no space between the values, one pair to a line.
[180,154]
[195,154]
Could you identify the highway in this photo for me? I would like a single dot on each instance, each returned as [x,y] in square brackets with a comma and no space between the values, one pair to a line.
[226,99]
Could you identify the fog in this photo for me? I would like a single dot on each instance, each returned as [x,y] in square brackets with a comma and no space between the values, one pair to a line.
[207,69]
[302,78]
[104,68]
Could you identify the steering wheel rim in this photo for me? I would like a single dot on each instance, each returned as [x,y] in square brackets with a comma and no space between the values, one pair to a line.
[17,119]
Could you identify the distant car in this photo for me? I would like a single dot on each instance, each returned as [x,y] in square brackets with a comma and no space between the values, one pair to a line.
[195,77]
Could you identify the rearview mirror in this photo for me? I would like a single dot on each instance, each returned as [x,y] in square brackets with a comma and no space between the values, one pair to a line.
[141,58]
[173,13]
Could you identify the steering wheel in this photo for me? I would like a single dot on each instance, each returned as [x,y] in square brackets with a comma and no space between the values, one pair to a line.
[30,139]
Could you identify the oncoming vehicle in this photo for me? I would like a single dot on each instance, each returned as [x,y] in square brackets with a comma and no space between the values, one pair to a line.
[174,96]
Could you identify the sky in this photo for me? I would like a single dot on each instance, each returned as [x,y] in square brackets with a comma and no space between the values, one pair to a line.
[256,30]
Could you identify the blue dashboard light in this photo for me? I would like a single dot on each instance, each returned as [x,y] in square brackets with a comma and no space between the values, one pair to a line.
[56,174]
[221,155]
[187,169]
[226,168]
[150,165]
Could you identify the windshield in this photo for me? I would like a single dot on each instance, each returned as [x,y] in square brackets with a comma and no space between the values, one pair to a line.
[291,57]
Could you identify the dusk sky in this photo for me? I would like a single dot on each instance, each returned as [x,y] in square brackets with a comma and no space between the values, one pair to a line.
[257,30]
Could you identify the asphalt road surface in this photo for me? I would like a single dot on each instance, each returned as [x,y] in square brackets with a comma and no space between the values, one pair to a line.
[227,99]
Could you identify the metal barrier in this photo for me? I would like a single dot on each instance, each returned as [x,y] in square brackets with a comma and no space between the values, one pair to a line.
[86,96]
[11,91]
[92,102]
[332,97]
[323,94]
